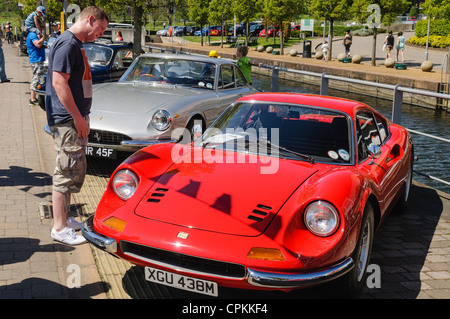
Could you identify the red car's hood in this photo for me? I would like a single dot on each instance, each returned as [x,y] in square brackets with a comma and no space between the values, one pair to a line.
[232,198]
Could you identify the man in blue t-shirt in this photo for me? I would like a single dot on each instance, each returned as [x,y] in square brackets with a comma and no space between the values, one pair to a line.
[68,99]
[36,58]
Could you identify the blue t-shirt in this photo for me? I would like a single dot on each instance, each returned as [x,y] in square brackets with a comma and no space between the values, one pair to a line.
[34,54]
[67,56]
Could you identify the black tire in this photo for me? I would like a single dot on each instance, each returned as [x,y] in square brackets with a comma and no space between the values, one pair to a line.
[402,203]
[354,281]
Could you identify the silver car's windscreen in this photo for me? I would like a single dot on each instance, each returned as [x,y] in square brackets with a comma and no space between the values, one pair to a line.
[172,71]
[284,130]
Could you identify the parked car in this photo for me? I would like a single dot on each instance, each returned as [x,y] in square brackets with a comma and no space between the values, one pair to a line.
[183,31]
[283,191]
[158,94]
[240,30]
[217,31]
[255,29]
[108,61]
[206,29]
[164,32]
[271,30]
[295,27]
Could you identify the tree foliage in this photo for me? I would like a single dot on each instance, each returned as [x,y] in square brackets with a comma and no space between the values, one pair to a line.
[438,9]
[279,11]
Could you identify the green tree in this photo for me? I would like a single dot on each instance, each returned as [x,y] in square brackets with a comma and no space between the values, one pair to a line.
[389,9]
[198,12]
[278,11]
[330,10]
[219,11]
[438,9]
[245,11]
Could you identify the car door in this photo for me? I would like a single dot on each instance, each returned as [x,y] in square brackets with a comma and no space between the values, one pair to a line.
[231,85]
[378,154]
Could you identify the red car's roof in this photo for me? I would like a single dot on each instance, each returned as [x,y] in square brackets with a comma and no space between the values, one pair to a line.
[335,103]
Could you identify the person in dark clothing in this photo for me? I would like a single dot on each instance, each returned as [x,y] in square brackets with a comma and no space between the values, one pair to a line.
[389,41]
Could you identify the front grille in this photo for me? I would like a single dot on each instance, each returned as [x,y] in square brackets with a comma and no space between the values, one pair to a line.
[106,137]
[189,263]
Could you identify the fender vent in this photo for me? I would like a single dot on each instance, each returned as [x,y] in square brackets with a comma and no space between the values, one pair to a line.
[157,195]
[259,213]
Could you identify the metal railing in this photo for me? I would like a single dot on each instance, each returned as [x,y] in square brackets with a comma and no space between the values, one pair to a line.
[397,104]
[397,98]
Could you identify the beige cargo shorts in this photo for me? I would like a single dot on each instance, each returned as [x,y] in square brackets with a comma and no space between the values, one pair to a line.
[71,163]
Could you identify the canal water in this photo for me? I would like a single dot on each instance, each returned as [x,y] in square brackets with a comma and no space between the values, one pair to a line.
[433,155]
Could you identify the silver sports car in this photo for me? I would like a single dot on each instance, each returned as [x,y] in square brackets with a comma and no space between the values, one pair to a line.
[157,97]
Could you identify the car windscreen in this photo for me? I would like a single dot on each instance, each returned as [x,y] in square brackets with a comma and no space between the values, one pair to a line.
[97,54]
[172,71]
[285,130]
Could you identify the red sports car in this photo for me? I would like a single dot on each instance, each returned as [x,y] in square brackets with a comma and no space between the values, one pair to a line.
[283,191]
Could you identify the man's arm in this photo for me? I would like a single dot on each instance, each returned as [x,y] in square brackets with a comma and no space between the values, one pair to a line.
[39,43]
[61,85]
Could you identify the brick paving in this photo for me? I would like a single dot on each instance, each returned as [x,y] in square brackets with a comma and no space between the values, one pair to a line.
[411,249]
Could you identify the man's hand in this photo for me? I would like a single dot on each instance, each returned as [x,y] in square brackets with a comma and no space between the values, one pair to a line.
[61,86]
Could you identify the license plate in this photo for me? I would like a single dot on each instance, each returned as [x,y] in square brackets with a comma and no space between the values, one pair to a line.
[158,276]
[101,152]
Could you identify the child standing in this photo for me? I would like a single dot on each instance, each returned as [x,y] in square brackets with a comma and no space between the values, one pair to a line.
[32,23]
[244,62]
[325,50]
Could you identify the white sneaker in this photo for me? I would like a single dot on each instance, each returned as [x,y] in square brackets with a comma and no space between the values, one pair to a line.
[67,236]
[73,223]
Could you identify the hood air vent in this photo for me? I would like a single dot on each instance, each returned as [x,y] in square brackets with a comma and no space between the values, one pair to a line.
[157,195]
[259,213]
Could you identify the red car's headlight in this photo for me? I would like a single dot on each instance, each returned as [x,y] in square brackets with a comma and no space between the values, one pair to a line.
[321,218]
[125,183]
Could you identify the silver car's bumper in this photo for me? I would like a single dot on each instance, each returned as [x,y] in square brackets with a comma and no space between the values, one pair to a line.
[105,243]
[278,280]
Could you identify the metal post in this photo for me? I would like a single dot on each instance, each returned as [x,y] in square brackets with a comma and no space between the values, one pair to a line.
[323,84]
[275,75]
[397,105]
[428,39]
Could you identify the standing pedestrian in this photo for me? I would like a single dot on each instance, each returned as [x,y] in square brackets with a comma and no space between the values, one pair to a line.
[56,26]
[347,42]
[36,58]
[401,45]
[325,50]
[389,41]
[68,104]
[3,78]
[245,63]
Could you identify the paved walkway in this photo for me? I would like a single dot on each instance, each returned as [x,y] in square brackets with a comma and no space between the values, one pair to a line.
[413,249]
[31,264]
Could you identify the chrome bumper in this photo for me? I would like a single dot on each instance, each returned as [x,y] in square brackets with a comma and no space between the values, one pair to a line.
[105,243]
[277,280]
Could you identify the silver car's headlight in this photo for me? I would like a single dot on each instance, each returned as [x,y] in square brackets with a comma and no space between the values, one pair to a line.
[41,80]
[161,120]
[125,183]
[321,218]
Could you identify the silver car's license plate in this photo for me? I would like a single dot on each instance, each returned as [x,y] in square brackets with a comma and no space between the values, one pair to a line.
[101,152]
[158,276]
